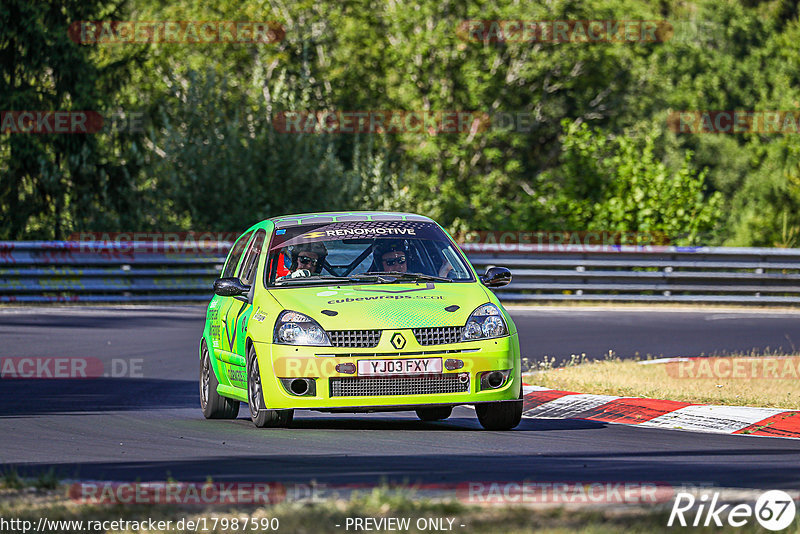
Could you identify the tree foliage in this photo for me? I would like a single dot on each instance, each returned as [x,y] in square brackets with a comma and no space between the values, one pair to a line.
[616,184]
[52,183]
[595,151]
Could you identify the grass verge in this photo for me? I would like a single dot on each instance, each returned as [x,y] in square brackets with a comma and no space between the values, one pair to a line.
[30,504]
[761,380]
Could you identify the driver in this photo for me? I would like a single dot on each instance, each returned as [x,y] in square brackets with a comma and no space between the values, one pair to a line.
[391,256]
[307,259]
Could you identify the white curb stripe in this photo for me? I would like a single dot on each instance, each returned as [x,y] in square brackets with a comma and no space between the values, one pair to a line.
[569,406]
[723,419]
[529,389]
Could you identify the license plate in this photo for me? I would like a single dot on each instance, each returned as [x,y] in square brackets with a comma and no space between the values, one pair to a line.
[413,366]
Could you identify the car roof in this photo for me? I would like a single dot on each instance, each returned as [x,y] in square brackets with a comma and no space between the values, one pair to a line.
[286,221]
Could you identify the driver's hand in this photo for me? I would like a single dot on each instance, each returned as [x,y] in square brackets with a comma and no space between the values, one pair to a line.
[445,269]
[301,273]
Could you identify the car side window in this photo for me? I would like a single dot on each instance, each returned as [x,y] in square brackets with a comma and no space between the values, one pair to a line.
[236,255]
[250,263]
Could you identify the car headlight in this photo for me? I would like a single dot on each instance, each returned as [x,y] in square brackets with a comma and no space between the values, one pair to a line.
[294,328]
[485,322]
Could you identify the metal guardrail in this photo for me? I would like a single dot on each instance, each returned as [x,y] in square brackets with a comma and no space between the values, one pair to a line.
[86,271]
[644,274]
[65,271]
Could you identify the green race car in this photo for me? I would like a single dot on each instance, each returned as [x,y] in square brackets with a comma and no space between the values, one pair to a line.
[357,312]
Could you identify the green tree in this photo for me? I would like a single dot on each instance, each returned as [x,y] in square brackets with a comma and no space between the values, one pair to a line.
[51,184]
[616,184]
[209,109]
[221,164]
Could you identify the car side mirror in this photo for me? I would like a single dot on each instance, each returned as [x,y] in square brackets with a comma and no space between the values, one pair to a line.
[230,287]
[496,277]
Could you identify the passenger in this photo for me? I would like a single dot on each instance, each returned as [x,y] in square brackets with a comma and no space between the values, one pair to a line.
[393,256]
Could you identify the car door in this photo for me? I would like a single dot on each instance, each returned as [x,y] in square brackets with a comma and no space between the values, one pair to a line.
[239,311]
[220,306]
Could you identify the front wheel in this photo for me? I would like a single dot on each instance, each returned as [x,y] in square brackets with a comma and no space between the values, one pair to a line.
[259,414]
[501,415]
[214,405]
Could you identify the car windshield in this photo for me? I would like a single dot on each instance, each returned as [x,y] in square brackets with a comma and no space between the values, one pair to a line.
[364,251]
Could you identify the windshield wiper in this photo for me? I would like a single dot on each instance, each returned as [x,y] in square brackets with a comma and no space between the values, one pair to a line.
[380,278]
[315,278]
[415,276]
[383,277]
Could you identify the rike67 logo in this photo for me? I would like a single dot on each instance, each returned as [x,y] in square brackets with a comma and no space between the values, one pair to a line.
[774,510]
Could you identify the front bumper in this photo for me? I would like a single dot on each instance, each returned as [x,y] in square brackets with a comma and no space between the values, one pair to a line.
[319,363]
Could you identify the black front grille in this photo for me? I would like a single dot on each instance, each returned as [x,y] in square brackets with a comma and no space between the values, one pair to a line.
[354,338]
[441,335]
[367,386]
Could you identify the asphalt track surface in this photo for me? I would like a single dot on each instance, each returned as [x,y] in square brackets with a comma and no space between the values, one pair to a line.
[150,427]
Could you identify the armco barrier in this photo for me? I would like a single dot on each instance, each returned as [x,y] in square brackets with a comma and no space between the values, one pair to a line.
[85,271]
[67,271]
[646,274]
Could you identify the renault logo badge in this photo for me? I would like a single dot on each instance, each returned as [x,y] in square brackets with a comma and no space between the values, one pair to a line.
[398,341]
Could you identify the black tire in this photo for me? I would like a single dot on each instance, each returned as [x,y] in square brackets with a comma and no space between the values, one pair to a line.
[214,405]
[259,414]
[500,415]
[434,414]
